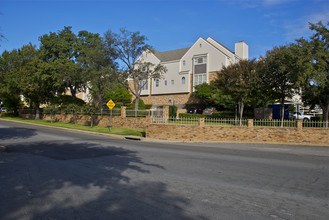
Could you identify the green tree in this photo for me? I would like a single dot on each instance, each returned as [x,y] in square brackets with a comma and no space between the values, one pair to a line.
[23,73]
[239,81]
[97,63]
[10,81]
[73,109]
[91,110]
[129,47]
[211,95]
[37,79]
[61,50]
[118,93]
[52,110]
[313,60]
[279,74]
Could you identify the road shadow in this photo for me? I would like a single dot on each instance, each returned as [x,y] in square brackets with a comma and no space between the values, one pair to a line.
[82,180]
[16,132]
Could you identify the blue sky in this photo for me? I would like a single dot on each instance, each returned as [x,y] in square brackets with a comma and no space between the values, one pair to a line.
[168,24]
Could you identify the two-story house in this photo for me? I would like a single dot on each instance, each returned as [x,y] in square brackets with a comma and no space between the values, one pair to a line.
[187,68]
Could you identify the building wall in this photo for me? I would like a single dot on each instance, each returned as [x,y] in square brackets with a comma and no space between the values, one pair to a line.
[174,75]
[163,99]
[215,58]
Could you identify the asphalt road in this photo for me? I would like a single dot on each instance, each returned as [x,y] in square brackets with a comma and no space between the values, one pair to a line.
[48,173]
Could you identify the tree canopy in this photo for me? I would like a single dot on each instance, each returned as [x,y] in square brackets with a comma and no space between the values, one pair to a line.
[129,46]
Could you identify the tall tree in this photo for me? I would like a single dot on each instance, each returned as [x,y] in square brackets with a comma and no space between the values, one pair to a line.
[97,64]
[239,81]
[24,73]
[313,60]
[37,78]
[9,80]
[61,50]
[129,47]
[279,74]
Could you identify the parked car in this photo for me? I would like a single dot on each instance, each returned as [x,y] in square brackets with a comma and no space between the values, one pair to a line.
[301,116]
[194,110]
[3,109]
[209,111]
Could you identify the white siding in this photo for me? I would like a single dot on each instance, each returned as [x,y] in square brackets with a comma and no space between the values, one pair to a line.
[215,58]
[148,57]
[172,75]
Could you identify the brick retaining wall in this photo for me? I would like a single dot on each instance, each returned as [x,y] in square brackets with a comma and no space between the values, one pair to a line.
[199,133]
[202,133]
[117,121]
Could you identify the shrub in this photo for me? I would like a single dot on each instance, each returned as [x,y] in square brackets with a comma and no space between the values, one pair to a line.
[316,118]
[223,114]
[141,105]
[188,115]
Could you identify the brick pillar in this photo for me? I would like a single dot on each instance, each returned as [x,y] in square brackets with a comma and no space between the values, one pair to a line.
[299,124]
[123,111]
[148,119]
[201,122]
[250,123]
[165,111]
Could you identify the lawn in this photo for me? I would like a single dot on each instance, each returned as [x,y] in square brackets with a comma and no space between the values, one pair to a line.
[98,129]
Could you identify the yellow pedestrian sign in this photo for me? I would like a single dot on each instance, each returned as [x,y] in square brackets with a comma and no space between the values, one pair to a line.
[110,104]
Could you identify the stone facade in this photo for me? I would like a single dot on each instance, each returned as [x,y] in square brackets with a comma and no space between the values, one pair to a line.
[212,76]
[117,121]
[219,134]
[205,133]
[163,99]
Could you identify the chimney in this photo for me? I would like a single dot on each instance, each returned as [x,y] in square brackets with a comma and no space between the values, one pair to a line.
[241,50]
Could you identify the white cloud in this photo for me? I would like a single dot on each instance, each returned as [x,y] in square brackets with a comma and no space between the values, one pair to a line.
[276,2]
[300,27]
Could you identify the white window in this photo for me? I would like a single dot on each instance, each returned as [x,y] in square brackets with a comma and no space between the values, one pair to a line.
[165,82]
[157,83]
[183,80]
[200,70]
[200,60]
[184,62]
[144,84]
[199,79]
[172,82]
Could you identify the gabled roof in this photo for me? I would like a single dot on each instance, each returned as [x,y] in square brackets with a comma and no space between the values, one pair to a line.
[220,45]
[170,55]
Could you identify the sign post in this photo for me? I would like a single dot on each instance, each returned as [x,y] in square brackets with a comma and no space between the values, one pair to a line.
[110,104]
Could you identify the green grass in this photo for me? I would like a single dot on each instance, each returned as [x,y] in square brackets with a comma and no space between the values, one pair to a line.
[98,129]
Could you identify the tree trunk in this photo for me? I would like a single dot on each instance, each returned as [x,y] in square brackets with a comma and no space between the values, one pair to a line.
[73,93]
[325,111]
[325,117]
[137,102]
[136,105]
[241,112]
[91,121]
[282,111]
[37,113]
[241,106]
[75,118]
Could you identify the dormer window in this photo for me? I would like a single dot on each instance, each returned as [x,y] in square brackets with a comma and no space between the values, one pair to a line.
[184,62]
